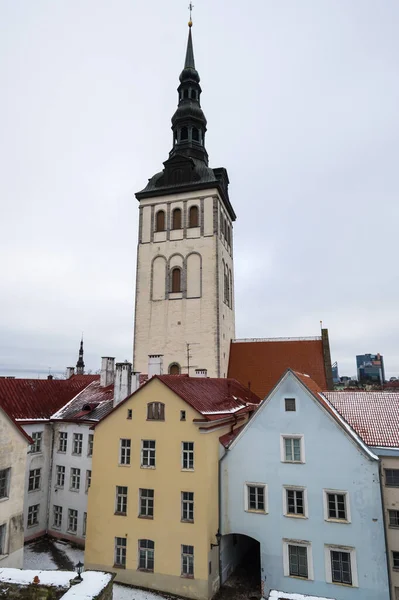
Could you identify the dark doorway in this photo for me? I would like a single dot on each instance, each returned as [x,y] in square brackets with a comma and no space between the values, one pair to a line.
[241,568]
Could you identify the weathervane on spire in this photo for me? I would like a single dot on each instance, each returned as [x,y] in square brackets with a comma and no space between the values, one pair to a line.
[190,8]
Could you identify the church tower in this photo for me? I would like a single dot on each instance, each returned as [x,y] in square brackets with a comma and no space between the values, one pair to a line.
[184,283]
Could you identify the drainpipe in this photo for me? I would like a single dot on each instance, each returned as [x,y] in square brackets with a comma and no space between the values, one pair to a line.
[50,478]
[220,513]
[385,530]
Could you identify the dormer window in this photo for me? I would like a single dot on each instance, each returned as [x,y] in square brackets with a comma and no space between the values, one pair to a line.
[155,411]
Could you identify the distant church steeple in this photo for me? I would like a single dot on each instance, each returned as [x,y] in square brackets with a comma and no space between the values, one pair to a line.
[80,366]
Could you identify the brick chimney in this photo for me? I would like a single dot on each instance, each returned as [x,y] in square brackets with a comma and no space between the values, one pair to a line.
[107,371]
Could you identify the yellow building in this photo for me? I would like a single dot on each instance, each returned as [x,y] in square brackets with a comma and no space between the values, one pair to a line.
[153,509]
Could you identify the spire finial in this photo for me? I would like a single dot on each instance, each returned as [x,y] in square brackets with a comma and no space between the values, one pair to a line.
[190,8]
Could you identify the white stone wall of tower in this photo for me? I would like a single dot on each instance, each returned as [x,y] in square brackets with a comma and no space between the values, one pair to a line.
[165,322]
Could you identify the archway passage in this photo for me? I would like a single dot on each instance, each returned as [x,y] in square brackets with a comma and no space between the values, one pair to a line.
[241,568]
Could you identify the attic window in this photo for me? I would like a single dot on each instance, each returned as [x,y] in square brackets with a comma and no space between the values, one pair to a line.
[182,415]
[155,411]
[129,413]
[290,405]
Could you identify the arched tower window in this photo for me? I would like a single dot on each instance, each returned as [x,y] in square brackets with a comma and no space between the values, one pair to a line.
[176,218]
[193,94]
[184,133]
[160,221]
[185,94]
[228,235]
[195,134]
[174,369]
[176,280]
[193,217]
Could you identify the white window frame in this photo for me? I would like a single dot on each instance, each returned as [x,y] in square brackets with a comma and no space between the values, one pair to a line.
[59,474]
[90,443]
[283,437]
[121,498]
[36,513]
[3,539]
[286,560]
[120,552]
[296,488]
[84,524]
[75,479]
[63,442]
[34,479]
[148,452]
[123,452]
[59,514]
[77,444]
[7,478]
[249,484]
[37,446]
[327,563]
[187,507]
[145,503]
[347,506]
[88,480]
[187,454]
[187,561]
[72,514]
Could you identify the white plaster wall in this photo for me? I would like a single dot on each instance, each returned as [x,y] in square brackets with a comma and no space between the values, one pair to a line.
[13,452]
[66,497]
[332,461]
[391,502]
[41,460]
[165,326]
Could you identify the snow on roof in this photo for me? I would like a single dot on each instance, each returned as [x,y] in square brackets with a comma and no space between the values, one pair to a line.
[93,581]
[275,595]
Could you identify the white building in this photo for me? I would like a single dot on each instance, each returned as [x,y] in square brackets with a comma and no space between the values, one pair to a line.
[184,286]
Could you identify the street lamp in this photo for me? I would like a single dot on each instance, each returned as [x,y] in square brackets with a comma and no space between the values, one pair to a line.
[79,568]
[218,537]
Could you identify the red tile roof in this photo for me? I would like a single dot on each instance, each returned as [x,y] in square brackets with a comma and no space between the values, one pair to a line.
[33,399]
[373,415]
[259,364]
[92,404]
[213,398]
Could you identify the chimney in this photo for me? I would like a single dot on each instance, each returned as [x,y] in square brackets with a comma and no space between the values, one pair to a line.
[123,381]
[49,377]
[155,364]
[201,372]
[69,372]
[107,371]
[135,381]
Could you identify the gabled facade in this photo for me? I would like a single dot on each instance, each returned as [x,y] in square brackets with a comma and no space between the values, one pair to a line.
[153,510]
[185,274]
[14,445]
[299,481]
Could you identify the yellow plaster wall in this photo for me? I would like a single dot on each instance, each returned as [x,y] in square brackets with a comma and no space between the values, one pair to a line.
[168,481]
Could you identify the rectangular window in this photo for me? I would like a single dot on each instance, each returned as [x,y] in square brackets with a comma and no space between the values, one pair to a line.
[3,532]
[129,413]
[298,561]
[187,506]
[188,455]
[33,515]
[292,449]
[60,476]
[393,518]
[84,524]
[90,444]
[62,442]
[182,415]
[295,502]
[4,482]
[75,479]
[336,506]
[290,404]
[88,480]
[187,561]
[121,500]
[256,498]
[395,560]
[120,552]
[155,411]
[57,516]
[392,477]
[77,444]
[72,520]
[37,442]
[124,454]
[34,480]
[341,571]
[146,503]
[147,453]
[146,555]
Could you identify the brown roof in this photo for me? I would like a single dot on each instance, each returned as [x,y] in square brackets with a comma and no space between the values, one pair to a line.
[33,399]
[259,364]
[373,415]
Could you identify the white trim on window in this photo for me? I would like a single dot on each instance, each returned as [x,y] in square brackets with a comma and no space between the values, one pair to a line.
[347,506]
[283,437]
[286,562]
[305,501]
[249,484]
[327,563]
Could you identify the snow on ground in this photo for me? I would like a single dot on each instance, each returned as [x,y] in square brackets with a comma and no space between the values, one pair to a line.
[35,561]
[74,554]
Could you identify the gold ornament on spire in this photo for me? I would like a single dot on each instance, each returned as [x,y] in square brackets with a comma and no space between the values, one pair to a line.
[190,8]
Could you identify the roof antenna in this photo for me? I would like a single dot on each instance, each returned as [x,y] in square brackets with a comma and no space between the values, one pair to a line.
[321,325]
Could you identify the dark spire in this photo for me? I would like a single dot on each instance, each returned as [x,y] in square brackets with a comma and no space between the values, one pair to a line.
[80,366]
[189,122]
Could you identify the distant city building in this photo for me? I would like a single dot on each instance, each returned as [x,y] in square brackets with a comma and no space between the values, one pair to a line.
[370,368]
[335,374]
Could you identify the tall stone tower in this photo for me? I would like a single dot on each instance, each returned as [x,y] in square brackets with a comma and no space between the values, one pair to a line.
[184,285]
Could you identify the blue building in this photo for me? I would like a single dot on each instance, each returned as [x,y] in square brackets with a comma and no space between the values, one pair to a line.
[370,368]
[299,485]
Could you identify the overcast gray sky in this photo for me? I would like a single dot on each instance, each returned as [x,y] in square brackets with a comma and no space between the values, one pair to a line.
[301,98]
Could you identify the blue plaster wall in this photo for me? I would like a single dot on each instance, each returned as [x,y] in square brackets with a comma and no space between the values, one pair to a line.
[333,461]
